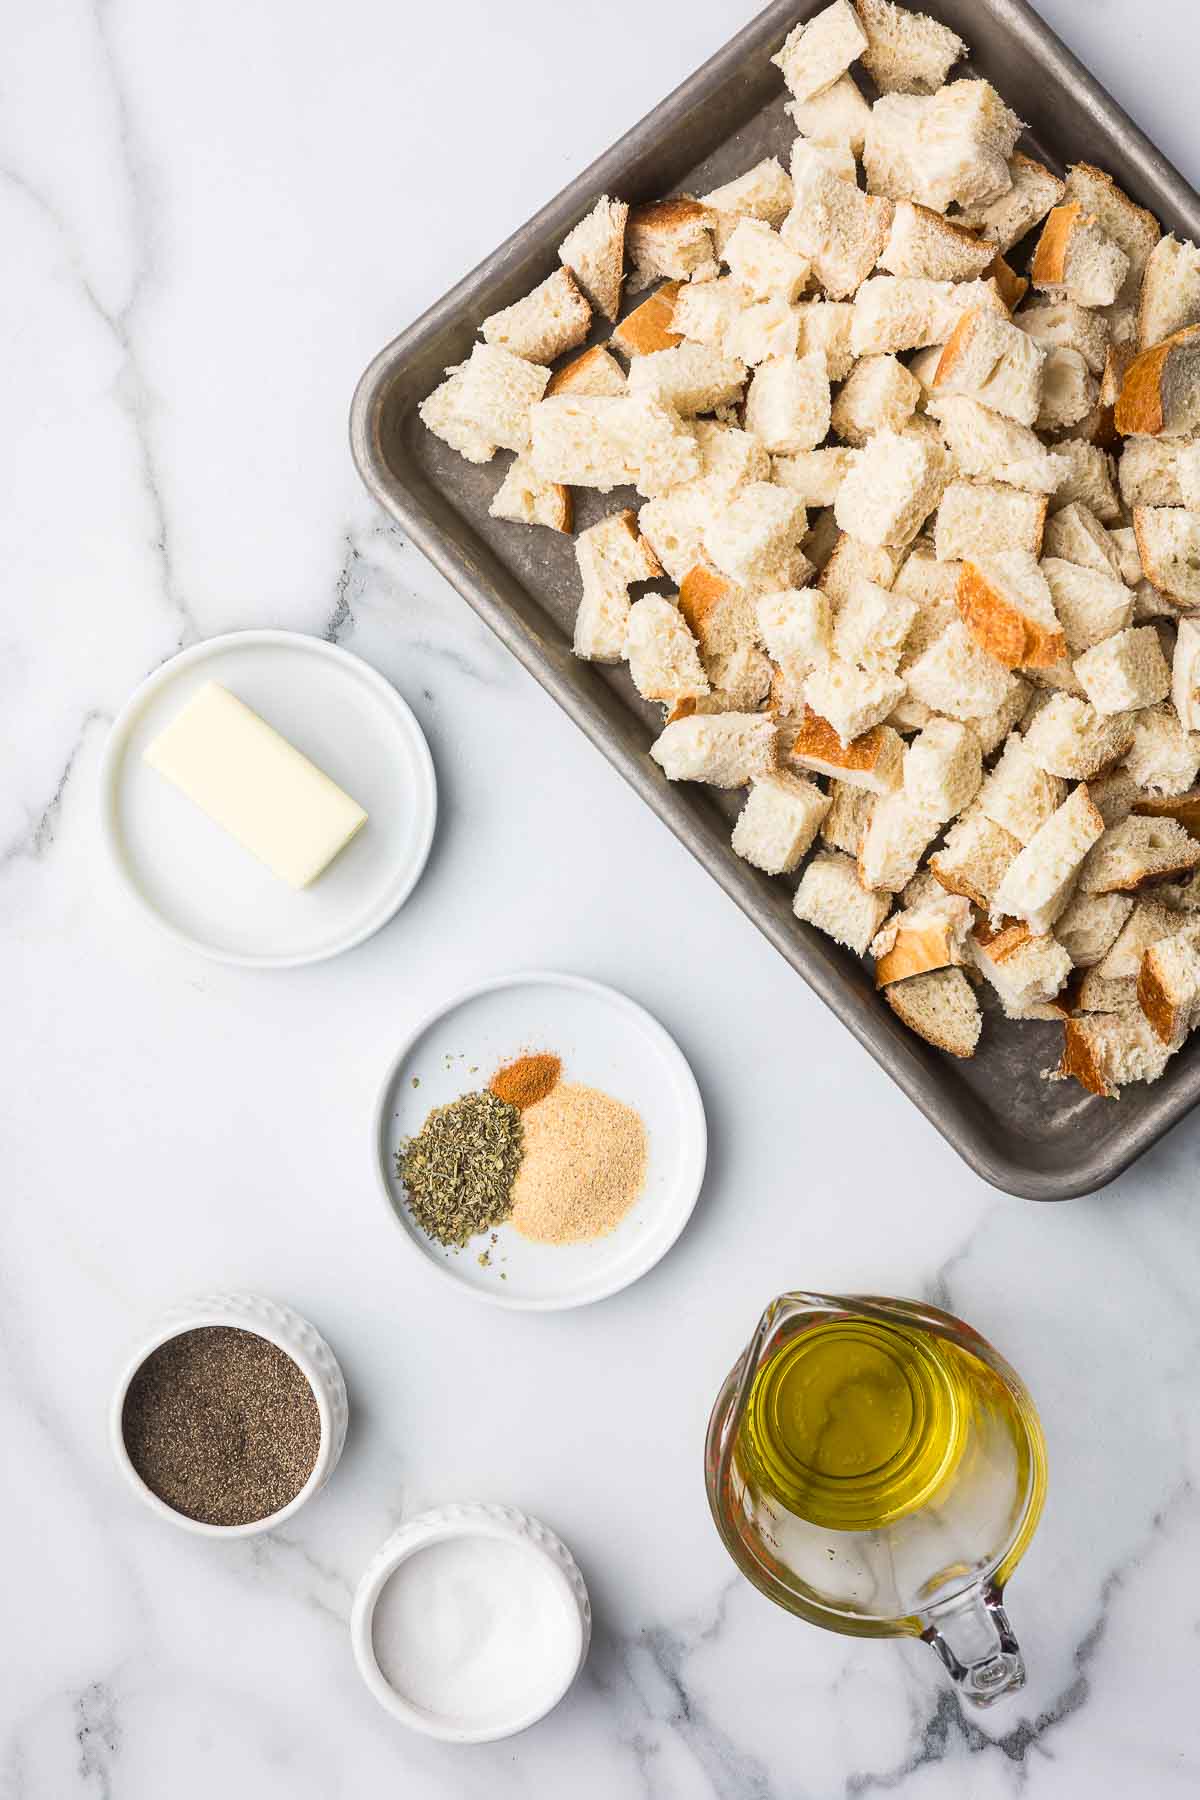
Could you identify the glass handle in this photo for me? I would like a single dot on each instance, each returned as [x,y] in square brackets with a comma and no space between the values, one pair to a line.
[975,1642]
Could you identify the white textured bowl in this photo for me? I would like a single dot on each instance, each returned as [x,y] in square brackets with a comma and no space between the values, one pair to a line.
[193,881]
[289,1333]
[467,1519]
[605,1040]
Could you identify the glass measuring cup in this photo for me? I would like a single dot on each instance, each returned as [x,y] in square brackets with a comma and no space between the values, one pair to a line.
[878,1469]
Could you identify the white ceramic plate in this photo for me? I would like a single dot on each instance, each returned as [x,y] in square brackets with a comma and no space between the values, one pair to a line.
[194,881]
[606,1041]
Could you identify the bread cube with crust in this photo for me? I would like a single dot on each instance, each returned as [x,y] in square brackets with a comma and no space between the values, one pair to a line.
[611,555]
[1039,881]
[526,499]
[820,50]
[851,699]
[594,252]
[555,317]
[1168,539]
[993,361]
[1019,795]
[1160,388]
[1106,1051]
[983,519]
[1089,926]
[787,404]
[907,52]
[835,225]
[1075,258]
[1132,227]
[662,654]
[932,934]
[1070,738]
[649,326]
[765,266]
[1006,605]
[1026,968]
[672,238]
[940,1007]
[1148,472]
[879,394]
[974,857]
[1139,850]
[1170,296]
[923,243]
[832,897]
[955,677]
[943,768]
[872,762]
[596,371]
[763,192]
[718,613]
[1091,606]
[892,489]
[1147,922]
[906,312]
[953,146]
[779,821]
[754,531]
[727,750]
[693,378]
[1006,219]
[1126,671]
[1164,759]
[1168,986]
[899,833]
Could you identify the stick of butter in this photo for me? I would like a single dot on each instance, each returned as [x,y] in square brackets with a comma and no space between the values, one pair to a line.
[260,788]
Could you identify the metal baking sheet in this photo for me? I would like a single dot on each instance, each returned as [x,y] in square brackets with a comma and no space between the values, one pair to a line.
[1047,1141]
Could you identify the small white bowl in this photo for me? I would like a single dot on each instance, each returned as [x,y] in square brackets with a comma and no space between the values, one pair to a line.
[288,1332]
[472,1519]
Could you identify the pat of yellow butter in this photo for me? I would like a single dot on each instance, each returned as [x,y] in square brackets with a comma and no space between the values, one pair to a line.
[256,785]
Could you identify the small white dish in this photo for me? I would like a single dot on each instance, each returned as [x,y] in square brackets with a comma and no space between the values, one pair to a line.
[189,876]
[554,1583]
[606,1041]
[289,1333]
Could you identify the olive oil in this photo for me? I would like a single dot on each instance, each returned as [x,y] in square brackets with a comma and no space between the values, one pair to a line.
[853,1424]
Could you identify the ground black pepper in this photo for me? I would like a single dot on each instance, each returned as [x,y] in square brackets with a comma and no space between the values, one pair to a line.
[221,1425]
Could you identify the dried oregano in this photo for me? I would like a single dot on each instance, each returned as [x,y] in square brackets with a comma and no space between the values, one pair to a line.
[459,1169]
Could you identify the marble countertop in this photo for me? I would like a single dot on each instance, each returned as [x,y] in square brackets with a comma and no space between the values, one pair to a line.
[213,217]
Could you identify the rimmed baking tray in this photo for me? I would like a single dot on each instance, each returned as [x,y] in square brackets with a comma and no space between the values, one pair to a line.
[1047,1141]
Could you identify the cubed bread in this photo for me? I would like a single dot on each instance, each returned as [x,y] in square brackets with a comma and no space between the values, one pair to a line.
[1019,795]
[907,52]
[837,117]
[1187,474]
[993,728]
[1075,258]
[485,403]
[1185,674]
[727,750]
[872,626]
[526,499]
[850,698]
[764,329]
[950,147]
[763,192]
[831,897]
[765,266]
[1147,923]
[663,657]
[1062,325]
[879,395]
[1168,540]
[993,361]
[1026,968]
[1074,534]
[1006,605]
[979,519]
[897,837]
[650,326]
[984,443]
[955,677]
[796,626]
[891,490]
[553,318]
[974,857]
[1011,287]
[872,762]
[1086,475]
[1069,391]
[594,252]
[851,560]
[1089,926]
[1040,880]
[820,50]
[672,238]
[758,526]
[1124,539]
[814,476]
[779,821]
[923,243]
[1137,851]
[1070,738]
[729,457]
[575,439]
[718,612]
[673,526]
[1168,986]
[693,378]
[943,768]
[941,1008]
[1126,671]
[837,227]
[1132,227]
[1106,1051]
[930,935]
[787,403]
[611,555]
[1170,296]
[596,371]
[1160,389]
[1007,218]
[848,817]
[904,312]
[825,326]
[740,679]
[1164,758]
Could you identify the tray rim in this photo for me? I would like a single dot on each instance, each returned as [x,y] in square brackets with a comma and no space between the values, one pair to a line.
[915,1073]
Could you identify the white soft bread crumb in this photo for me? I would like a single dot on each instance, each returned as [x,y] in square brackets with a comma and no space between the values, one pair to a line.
[1170,297]
[788,403]
[891,490]
[1185,675]
[1075,258]
[1106,1051]
[1126,671]
[729,457]
[1006,605]
[740,679]
[765,329]
[1069,391]
[1168,540]
[673,525]
[1187,474]
[486,401]
[814,476]
[718,612]
[872,626]
[831,897]
[873,762]
[955,677]
[754,530]
[907,52]
[1124,539]
[941,1008]
[837,158]
[727,750]
[1168,986]
[907,312]
[796,626]
[1060,324]
[985,443]
[1134,229]
[763,264]
[763,192]
[943,768]
[671,238]
[837,227]
[1039,881]
[974,857]
[779,821]
[1075,534]
[693,378]
[825,326]
[1018,795]
[894,842]
[1147,472]
[596,371]
[952,147]
[924,243]
[1070,738]
[553,318]
[1089,926]
[1138,850]
[575,439]
[837,117]
[988,518]
[848,817]
[703,312]
[850,698]
[594,252]
[850,560]
[611,555]
[1147,922]
[1007,218]
[662,654]
[1025,967]
[1164,758]
[1086,475]
[993,728]
[993,361]
[526,499]
[930,934]
[819,50]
